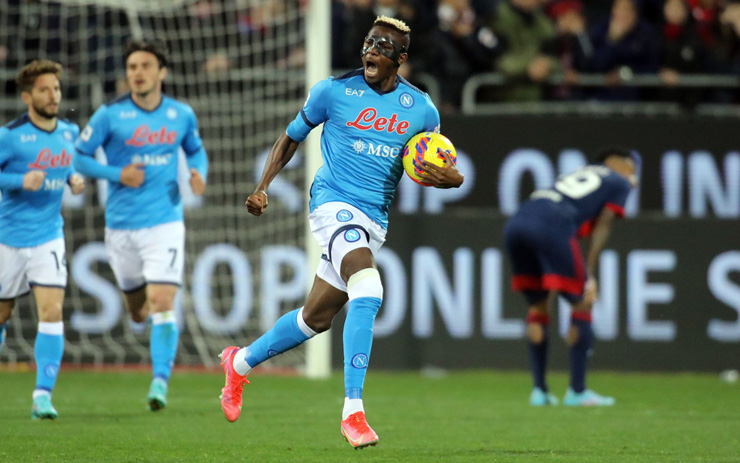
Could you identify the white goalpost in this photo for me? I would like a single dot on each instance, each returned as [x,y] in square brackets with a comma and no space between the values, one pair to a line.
[318,67]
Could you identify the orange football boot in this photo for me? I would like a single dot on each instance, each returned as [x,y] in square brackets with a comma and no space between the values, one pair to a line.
[231,393]
[357,432]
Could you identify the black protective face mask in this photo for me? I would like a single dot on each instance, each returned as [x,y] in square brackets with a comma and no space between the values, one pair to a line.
[385,47]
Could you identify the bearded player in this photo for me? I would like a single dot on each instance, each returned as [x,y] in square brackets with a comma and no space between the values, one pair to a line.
[36,152]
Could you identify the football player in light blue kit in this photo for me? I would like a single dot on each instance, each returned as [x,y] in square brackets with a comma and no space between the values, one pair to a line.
[368,114]
[36,152]
[141,133]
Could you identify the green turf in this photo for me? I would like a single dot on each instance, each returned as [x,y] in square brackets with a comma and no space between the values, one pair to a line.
[461,417]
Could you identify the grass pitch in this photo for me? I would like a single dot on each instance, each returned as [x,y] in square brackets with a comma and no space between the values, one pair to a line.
[459,417]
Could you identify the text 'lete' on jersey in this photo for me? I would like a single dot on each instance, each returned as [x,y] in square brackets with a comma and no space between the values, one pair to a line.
[363,138]
[31,218]
[130,134]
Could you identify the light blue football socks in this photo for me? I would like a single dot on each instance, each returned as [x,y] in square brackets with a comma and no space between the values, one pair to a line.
[365,292]
[289,331]
[163,340]
[48,351]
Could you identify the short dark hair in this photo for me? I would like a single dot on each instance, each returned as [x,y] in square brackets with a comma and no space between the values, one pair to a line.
[27,76]
[155,47]
[609,151]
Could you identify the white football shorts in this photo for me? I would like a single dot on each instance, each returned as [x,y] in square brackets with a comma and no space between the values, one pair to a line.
[147,255]
[340,228]
[42,265]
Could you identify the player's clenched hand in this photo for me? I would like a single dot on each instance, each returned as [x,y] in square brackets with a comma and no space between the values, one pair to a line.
[33,180]
[197,184]
[447,176]
[257,202]
[133,174]
[76,184]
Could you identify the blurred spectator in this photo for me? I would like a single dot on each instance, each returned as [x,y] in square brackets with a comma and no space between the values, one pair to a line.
[463,47]
[528,34]
[705,14]
[681,52]
[623,46]
[730,29]
[573,45]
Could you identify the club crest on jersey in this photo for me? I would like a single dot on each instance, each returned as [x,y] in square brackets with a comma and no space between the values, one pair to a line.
[368,120]
[144,136]
[45,159]
[172,113]
[406,100]
[67,135]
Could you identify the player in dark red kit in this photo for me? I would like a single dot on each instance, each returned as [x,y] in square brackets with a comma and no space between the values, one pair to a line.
[542,242]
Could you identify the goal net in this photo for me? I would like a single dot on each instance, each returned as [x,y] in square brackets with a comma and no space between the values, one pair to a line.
[240,65]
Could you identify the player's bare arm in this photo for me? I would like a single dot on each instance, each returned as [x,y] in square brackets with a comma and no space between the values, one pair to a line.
[280,154]
[599,237]
[197,183]
[133,174]
[76,184]
[448,176]
[33,180]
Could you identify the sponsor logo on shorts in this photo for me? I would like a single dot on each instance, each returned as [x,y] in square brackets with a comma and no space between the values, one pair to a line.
[359,361]
[272,353]
[344,215]
[351,235]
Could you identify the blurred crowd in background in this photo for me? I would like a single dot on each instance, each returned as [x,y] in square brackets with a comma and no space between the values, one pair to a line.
[530,41]
[541,48]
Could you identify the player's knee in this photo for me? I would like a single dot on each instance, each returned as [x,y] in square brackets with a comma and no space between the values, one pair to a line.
[160,301]
[365,283]
[572,336]
[50,312]
[139,316]
[538,320]
[535,333]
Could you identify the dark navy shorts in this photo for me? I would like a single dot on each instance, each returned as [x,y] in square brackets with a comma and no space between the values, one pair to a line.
[544,253]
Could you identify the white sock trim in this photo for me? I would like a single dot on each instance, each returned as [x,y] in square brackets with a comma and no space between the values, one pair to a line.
[160,318]
[351,406]
[239,361]
[303,326]
[365,283]
[51,328]
[40,392]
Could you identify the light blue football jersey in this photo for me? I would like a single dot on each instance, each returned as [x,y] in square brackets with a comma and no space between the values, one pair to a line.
[363,139]
[130,134]
[32,218]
